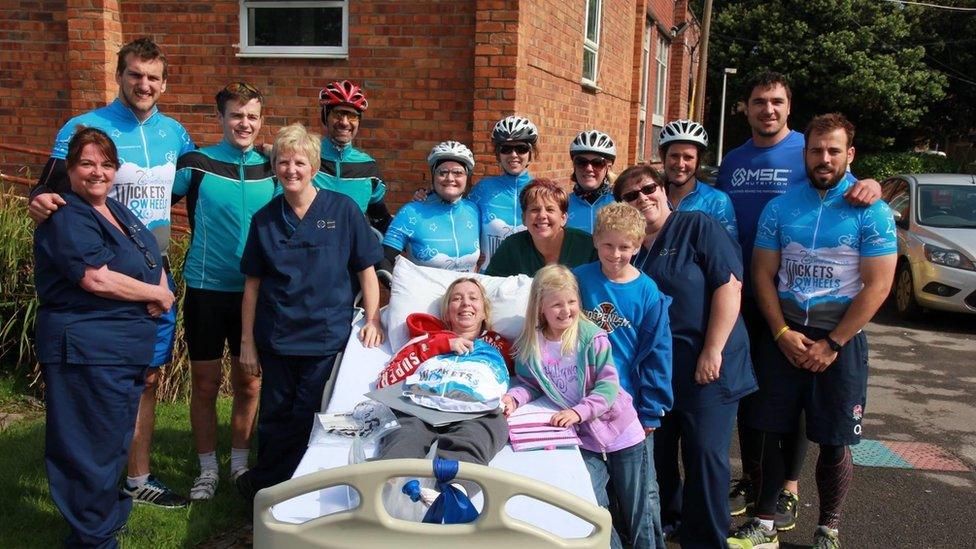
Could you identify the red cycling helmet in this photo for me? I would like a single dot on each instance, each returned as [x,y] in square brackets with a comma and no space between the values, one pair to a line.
[343,92]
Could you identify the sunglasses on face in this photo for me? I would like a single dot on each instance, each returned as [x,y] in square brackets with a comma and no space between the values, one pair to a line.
[457,172]
[597,163]
[648,190]
[336,116]
[509,149]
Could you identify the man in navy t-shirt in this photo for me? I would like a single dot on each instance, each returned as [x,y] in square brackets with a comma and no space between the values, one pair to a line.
[764,167]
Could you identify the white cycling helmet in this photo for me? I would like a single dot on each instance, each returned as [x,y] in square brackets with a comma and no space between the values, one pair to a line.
[593,141]
[514,128]
[684,131]
[451,150]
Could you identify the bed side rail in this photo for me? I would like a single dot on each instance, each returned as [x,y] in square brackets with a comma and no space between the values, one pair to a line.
[369,525]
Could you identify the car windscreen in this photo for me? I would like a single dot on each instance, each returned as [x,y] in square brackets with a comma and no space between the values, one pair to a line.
[947,205]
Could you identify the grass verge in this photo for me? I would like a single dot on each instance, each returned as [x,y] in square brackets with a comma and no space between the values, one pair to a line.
[31,520]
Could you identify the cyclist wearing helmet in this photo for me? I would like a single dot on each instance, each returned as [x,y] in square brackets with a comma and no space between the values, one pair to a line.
[438,230]
[346,169]
[683,142]
[515,139]
[593,153]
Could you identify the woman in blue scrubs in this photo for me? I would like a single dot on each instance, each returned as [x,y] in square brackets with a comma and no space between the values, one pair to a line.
[100,282]
[695,261]
[297,308]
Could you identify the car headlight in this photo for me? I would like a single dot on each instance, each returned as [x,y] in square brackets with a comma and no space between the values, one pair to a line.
[947,257]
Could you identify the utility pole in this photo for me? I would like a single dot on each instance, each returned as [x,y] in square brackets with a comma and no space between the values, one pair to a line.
[702,62]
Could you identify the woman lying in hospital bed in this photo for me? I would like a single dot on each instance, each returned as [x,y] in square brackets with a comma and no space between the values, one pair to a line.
[414,289]
[456,363]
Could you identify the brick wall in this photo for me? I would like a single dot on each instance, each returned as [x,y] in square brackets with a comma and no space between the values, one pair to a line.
[550,92]
[34,90]
[433,70]
[414,59]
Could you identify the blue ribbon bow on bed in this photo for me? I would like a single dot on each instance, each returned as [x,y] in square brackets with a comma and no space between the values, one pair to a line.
[452,506]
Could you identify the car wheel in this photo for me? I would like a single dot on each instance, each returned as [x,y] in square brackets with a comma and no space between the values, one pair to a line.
[905,302]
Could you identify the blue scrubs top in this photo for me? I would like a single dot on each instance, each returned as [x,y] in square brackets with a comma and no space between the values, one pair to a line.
[75,326]
[306,267]
[691,257]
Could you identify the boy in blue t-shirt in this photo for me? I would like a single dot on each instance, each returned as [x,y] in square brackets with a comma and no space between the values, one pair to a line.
[627,304]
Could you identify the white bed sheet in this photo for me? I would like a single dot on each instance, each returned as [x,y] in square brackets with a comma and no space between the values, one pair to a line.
[563,468]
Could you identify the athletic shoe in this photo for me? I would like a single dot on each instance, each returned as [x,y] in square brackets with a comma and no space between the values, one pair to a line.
[787,509]
[237,473]
[245,485]
[155,493]
[751,535]
[825,538]
[741,496]
[205,485]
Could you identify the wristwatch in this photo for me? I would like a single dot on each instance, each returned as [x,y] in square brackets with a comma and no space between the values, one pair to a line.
[834,346]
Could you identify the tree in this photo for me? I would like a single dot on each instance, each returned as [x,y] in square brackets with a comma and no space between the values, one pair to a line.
[949,38]
[849,56]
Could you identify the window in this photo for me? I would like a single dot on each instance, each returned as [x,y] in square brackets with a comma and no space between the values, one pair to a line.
[276,28]
[645,78]
[660,94]
[591,41]
[896,193]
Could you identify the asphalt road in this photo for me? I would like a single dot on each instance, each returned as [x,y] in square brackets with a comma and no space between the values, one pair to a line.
[922,388]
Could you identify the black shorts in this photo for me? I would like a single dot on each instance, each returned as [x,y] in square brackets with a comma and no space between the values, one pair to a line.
[211,318]
[833,400]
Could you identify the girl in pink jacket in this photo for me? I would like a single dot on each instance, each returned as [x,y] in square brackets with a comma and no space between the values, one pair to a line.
[568,359]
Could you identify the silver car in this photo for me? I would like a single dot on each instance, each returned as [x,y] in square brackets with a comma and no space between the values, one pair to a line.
[936,219]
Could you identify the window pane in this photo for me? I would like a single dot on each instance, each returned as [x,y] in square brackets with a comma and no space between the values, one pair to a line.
[296,26]
[656,143]
[592,20]
[589,65]
[641,139]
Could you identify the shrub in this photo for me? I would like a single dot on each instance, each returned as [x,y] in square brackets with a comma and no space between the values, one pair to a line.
[18,303]
[881,166]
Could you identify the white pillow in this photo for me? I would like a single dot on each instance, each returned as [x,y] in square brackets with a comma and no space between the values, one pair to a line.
[417,289]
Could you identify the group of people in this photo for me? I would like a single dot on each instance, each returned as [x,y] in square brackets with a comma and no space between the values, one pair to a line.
[645,322]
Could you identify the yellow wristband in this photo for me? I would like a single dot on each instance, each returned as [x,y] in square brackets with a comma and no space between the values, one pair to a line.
[781,331]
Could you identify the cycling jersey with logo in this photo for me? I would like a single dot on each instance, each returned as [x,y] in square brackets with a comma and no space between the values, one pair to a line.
[582,214]
[715,203]
[224,187]
[752,176]
[352,172]
[501,215]
[439,234]
[821,241]
[148,152]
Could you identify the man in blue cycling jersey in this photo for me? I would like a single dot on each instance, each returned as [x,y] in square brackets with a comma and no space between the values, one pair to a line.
[764,167]
[149,144]
[683,142]
[224,186]
[821,269]
[346,169]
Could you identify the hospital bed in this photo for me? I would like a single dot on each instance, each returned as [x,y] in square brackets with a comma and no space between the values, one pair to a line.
[536,499]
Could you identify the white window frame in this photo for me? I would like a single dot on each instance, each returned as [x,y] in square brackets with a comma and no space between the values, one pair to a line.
[592,46]
[245,49]
[661,65]
[644,91]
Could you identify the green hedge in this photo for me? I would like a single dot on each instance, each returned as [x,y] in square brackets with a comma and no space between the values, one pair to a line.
[881,166]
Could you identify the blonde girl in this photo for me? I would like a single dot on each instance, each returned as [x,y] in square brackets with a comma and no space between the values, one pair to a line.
[568,359]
